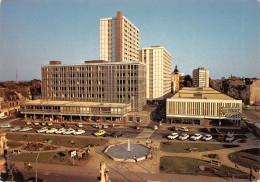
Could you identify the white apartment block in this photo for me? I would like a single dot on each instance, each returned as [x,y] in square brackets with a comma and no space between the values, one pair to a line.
[158,71]
[119,39]
[200,77]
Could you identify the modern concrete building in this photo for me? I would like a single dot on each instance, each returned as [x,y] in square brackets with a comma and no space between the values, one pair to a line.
[197,103]
[200,77]
[97,89]
[158,71]
[119,39]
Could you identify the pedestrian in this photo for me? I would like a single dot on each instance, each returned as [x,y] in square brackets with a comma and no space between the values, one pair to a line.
[152,141]
[153,146]
[157,147]
[135,158]
[232,177]
[147,142]
[29,166]
[146,155]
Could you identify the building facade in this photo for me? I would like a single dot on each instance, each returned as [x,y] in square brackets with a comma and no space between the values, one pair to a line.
[98,90]
[200,77]
[158,71]
[202,103]
[175,80]
[119,39]
[9,103]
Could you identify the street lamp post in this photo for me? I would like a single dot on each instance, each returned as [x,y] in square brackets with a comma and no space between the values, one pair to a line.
[36,160]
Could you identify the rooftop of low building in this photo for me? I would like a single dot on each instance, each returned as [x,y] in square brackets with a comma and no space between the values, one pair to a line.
[200,93]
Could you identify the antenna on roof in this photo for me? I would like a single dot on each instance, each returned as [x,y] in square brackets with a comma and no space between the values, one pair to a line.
[16,77]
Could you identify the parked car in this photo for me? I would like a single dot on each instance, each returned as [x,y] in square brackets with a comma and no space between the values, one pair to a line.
[230,138]
[36,123]
[100,133]
[52,130]
[79,132]
[3,117]
[196,136]
[183,129]
[79,125]
[61,130]
[172,136]
[42,130]
[249,122]
[244,118]
[25,129]
[96,126]
[64,125]
[6,125]
[49,123]
[28,122]
[207,137]
[221,137]
[43,123]
[183,136]
[105,126]
[117,134]
[68,131]
[16,128]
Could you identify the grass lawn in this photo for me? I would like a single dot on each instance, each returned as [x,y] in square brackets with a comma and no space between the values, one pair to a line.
[189,166]
[58,140]
[44,157]
[247,158]
[184,147]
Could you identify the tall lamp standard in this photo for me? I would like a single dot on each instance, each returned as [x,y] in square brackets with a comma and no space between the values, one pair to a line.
[36,160]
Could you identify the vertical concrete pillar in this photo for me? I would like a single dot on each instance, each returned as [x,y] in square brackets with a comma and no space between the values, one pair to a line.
[43,117]
[25,116]
[71,118]
[80,118]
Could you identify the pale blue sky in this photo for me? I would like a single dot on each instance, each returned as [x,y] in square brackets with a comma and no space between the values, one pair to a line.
[220,35]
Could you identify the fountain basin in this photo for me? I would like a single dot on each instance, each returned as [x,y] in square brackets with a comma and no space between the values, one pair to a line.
[119,152]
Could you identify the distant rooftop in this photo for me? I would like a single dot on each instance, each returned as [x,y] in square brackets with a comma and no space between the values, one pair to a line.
[200,93]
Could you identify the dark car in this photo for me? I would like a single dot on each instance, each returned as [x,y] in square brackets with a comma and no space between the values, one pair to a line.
[117,134]
[107,134]
[221,137]
[64,124]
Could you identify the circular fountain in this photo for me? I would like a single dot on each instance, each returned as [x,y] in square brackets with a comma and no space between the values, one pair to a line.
[127,152]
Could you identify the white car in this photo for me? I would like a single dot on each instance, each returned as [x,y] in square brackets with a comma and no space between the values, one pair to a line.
[230,138]
[172,136]
[52,130]
[196,136]
[36,123]
[68,131]
[6,126]
[207,137]
[17,128]
[79,132]
[60,131]
[3,117]
[183,136]
[183,129]
[105,126]
[79,125]
[42,130]
[25,129]
[28,122]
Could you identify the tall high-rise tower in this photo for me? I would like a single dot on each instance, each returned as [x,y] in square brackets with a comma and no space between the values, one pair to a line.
[200,77]
[119,39]
[158,71]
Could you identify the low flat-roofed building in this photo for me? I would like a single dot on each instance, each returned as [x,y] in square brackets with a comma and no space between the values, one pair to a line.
[202,103]
[67,109]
